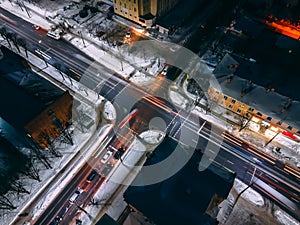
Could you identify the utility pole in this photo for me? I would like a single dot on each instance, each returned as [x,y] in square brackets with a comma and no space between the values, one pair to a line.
[26,9]
[82,38]
[272,139]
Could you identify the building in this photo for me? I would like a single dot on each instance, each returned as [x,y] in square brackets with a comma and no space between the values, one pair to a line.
[143,12]
[188,197]
[51,122]
[106,220]
[265,109]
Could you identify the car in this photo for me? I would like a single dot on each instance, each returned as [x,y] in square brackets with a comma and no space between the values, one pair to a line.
[91,176]
[84,185]
[107,169]
[174,48]
[56,221]
[54,34]
[165,71]
[75,195]
[106,157]
[128,34]
[119,153]
[37,27]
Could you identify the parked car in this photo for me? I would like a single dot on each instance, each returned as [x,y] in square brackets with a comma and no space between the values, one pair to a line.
[84,185]
[128,34]
[107,169]
[56,221]
[91,176]
[119,153]
[106,157]
[75,195]
[37,27]
[165,70]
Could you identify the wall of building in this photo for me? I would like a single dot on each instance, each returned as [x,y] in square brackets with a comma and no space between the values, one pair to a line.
[249,112]
[128,9]
[133,9]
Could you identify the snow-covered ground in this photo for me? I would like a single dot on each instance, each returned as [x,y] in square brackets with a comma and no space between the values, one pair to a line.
[110,195]
[251,208]
[250,195]
[128,65]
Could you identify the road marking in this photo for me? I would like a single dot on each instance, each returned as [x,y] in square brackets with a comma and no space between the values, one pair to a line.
[201,127]
[78,75]
[230,162]
[260,156]
[231,136]
[230,140]
[291,172]
[38,51]
[211,151]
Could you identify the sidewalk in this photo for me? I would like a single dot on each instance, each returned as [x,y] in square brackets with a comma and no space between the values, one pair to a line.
[289,152]
[289,149]
[65,167]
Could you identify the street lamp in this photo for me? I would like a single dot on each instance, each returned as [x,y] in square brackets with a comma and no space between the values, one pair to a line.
[80,32]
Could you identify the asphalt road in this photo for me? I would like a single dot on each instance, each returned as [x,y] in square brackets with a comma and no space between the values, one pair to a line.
[234,154]
[269,176]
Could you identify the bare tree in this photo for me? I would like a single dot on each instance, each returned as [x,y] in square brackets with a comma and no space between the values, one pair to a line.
[243,122]
[36,151]
[5,203]
[17,186]
[21,42]
[58,67]
[13,38]
[31,171]
[3,33]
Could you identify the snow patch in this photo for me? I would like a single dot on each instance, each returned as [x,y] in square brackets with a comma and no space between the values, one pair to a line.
[249,195]
[285,219]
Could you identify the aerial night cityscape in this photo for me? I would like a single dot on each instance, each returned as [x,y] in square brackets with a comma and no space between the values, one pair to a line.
[149,112]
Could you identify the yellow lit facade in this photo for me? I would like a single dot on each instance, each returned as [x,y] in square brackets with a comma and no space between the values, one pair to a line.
[143,12]
[249,112]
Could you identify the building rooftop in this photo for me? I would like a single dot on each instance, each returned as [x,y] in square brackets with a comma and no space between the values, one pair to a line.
[178,14]
[248,26]
[183,198]
[28,93]
[106,220]
[51,122]
[269,103]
